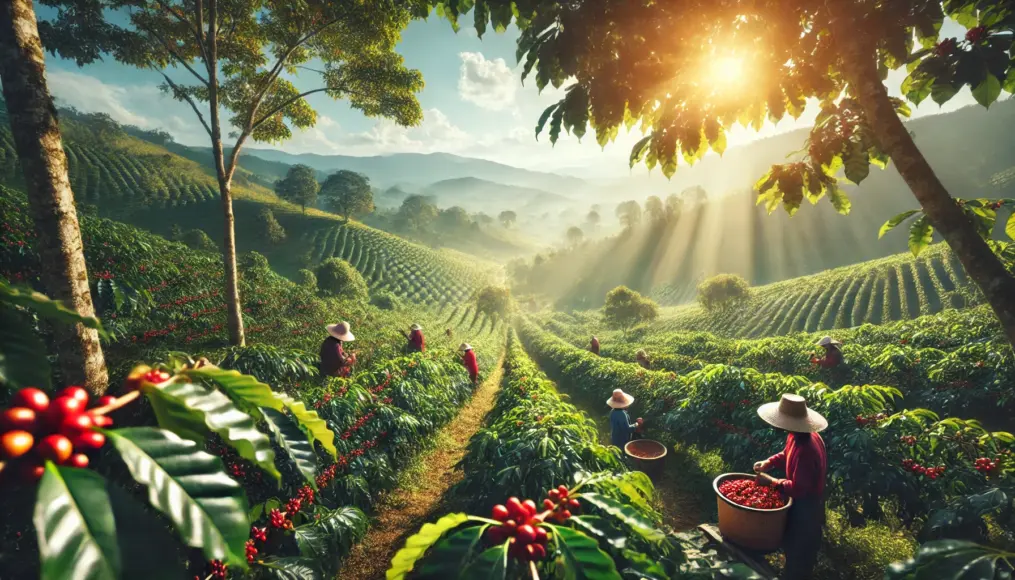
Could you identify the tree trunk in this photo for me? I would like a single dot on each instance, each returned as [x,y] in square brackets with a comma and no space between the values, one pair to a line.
[234,312]
[50,199]
[943,212]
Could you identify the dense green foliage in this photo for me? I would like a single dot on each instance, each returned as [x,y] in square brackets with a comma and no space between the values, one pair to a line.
[625,308]
[494,301]
[723,291]
[348,193]
[338,278]
[299,186]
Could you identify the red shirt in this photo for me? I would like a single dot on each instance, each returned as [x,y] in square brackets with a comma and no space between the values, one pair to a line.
[471,365]
[832,358]
[594,346]
[806,464]
[416,340]
[333,359]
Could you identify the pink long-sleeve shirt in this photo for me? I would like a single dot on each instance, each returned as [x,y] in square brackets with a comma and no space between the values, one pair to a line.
[806,465]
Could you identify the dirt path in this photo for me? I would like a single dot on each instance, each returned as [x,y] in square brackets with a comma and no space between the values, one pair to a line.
[420,495]
[681,508]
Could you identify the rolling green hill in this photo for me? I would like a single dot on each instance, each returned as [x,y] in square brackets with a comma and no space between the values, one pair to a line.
[144,184]
[879,291]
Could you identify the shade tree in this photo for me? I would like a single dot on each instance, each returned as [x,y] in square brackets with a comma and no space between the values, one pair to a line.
[348,193]
[507,218]
[629,213]
[625,308]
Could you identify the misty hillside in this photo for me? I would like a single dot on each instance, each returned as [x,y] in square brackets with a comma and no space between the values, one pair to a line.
[476,194]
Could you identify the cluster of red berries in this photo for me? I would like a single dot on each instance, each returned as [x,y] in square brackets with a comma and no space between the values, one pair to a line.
[945,47]
[930,472]
[747,493]
[280,520]
[36,429]
[976,34]
[142,375]
[188,299]
[560,505]
[217,570]
[863,421]
[909,440]
[987,466]
[358,425]
[520,527]
[729,428]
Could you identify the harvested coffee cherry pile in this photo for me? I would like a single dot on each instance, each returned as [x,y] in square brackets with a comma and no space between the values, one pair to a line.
[746,493]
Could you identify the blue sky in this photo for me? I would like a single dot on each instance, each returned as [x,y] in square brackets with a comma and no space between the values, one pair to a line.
[473,102]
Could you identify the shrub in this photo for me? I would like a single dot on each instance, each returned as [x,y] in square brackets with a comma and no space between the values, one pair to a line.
[306,279]
[494,301]
[338,278]
[723,291]
[862,553]
[385,301]
[269,226]
[196,239]
[624,308]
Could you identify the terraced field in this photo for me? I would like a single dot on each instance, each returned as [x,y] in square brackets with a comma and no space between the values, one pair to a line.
[895,288]
[389,263]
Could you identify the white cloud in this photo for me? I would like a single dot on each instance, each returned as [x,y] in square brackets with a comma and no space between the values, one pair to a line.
[490,84]
[90,95]
[435,133]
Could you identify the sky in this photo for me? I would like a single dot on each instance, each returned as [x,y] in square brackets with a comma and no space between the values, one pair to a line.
[474,105]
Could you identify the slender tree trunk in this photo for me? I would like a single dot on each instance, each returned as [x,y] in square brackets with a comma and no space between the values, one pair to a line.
[943,212]
[234,313]
[51,201]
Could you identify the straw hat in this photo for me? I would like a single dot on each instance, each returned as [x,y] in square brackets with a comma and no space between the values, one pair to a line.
[465,347]
[828,341]
[641,353]
[341,331]
[620,400]
[791,413]
[415,327]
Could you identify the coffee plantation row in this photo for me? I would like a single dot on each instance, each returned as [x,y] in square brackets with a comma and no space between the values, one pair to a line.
[879,291]
[908,471]
[589,517]
[956,362]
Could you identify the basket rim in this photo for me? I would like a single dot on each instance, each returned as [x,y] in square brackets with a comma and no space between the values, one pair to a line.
[658,457]
[734,475]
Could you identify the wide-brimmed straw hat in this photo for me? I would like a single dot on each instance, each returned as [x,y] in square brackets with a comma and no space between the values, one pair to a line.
[641,353]
[620,400]
[415,327]
[465,346]
[791,413]
[341,331]
[828,341]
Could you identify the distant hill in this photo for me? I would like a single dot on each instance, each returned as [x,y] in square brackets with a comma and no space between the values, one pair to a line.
[476,194]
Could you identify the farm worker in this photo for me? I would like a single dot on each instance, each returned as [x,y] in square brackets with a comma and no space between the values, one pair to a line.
[642,358]
[621,426]
[417,343]
[469,361]
[594,346]
[334,361]
[833,355]
[448,332]
[805,463]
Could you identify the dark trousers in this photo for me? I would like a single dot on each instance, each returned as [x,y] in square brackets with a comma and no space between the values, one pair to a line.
[804,525]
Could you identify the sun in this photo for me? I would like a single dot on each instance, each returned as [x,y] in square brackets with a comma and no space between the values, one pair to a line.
[727,71]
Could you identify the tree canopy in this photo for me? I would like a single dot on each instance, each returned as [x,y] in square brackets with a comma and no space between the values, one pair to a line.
[416,213]
[625,308]
[494,301]
[348,193]
[629,213]
[723,291]
[575,235]
[336,277]
[299,186]
[507,218]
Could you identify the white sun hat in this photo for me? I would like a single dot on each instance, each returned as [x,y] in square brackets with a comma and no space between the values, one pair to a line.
[341,331]
[791,413]
[828,341]
[465,346]
[416,327]
[620,400]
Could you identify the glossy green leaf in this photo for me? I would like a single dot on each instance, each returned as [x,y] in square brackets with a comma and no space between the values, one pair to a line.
[312,424]
[942,92]
[626,514]
[856,163]
[895,221]
[921,234]
[207,507]
[147,545]
[23,354]
[1009,226]
[987,91]
[492,564]
[950,560]
[840,201]
[294,442]
[452,555]
[417,544]
[599,527]
[45,307]
[74,525]
[298,568]
[246,390]
[581,557]
[191,410]
[332,536]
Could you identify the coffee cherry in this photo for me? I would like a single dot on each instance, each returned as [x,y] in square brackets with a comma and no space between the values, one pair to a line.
[530,507]
[562,489]
[32,398]
[76,392]
[554,495]
[62,407]
[515,508]
[548,504]
[79,460]
[14,444]
[73,424]
[496,534]
[500,513]
[18,419]
[55,448]
[542,536]
[526,534]
[536,551]
[573,504]
[105,400]
[136,376]
[102,420]
[565,515]
[89,440]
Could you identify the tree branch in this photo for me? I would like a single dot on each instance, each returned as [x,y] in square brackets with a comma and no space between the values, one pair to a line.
[177,90]
[197,31]
[274,111]
[176,56]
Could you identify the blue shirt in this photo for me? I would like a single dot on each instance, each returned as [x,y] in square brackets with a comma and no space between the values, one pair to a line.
[621,427]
